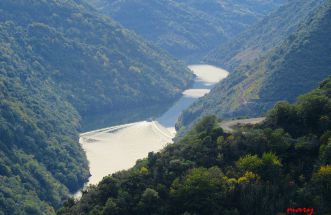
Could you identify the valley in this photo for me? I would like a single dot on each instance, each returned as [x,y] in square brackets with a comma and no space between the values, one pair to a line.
[117,148]
[284,159]
[157,107]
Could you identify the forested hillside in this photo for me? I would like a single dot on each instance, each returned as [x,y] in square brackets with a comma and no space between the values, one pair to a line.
[290,69]
[262,37]
[59,61]
[283,163]
[188,29]
[93,57]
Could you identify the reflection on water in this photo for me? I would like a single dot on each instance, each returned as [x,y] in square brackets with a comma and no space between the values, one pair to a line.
[167,113]
[93,122]
[169,118]
[112,149]
[207,77]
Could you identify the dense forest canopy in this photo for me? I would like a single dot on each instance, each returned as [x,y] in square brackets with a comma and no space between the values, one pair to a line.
[187,29]
[59,61]
[293,67]
[263,169]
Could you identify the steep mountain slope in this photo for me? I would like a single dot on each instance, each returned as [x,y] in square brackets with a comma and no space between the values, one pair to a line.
[187,29]
[293,68]
[60,60]
[77,42]
[283,163]
[263,36]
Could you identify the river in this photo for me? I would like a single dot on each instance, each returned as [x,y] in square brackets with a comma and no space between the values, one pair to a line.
[117,148]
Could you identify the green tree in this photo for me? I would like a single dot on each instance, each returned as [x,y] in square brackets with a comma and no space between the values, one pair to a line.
[149,201]
[200,191]
[321,183]
[250,163]
[110,208]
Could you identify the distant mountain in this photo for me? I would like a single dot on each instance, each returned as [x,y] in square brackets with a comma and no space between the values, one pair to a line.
[260,38]
[287,70]
[60,60]
[188,29]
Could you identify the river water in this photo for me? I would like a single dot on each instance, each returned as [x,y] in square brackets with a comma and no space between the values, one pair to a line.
[117,148]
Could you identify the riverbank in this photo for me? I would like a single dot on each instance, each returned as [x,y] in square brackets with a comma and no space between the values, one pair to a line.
[117,148]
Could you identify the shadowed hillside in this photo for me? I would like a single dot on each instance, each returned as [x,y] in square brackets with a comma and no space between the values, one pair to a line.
[187,29]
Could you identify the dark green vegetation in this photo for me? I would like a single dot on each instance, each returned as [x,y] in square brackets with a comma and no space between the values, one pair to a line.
[188,29]
[289,69]
[285,162]
[59,61]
